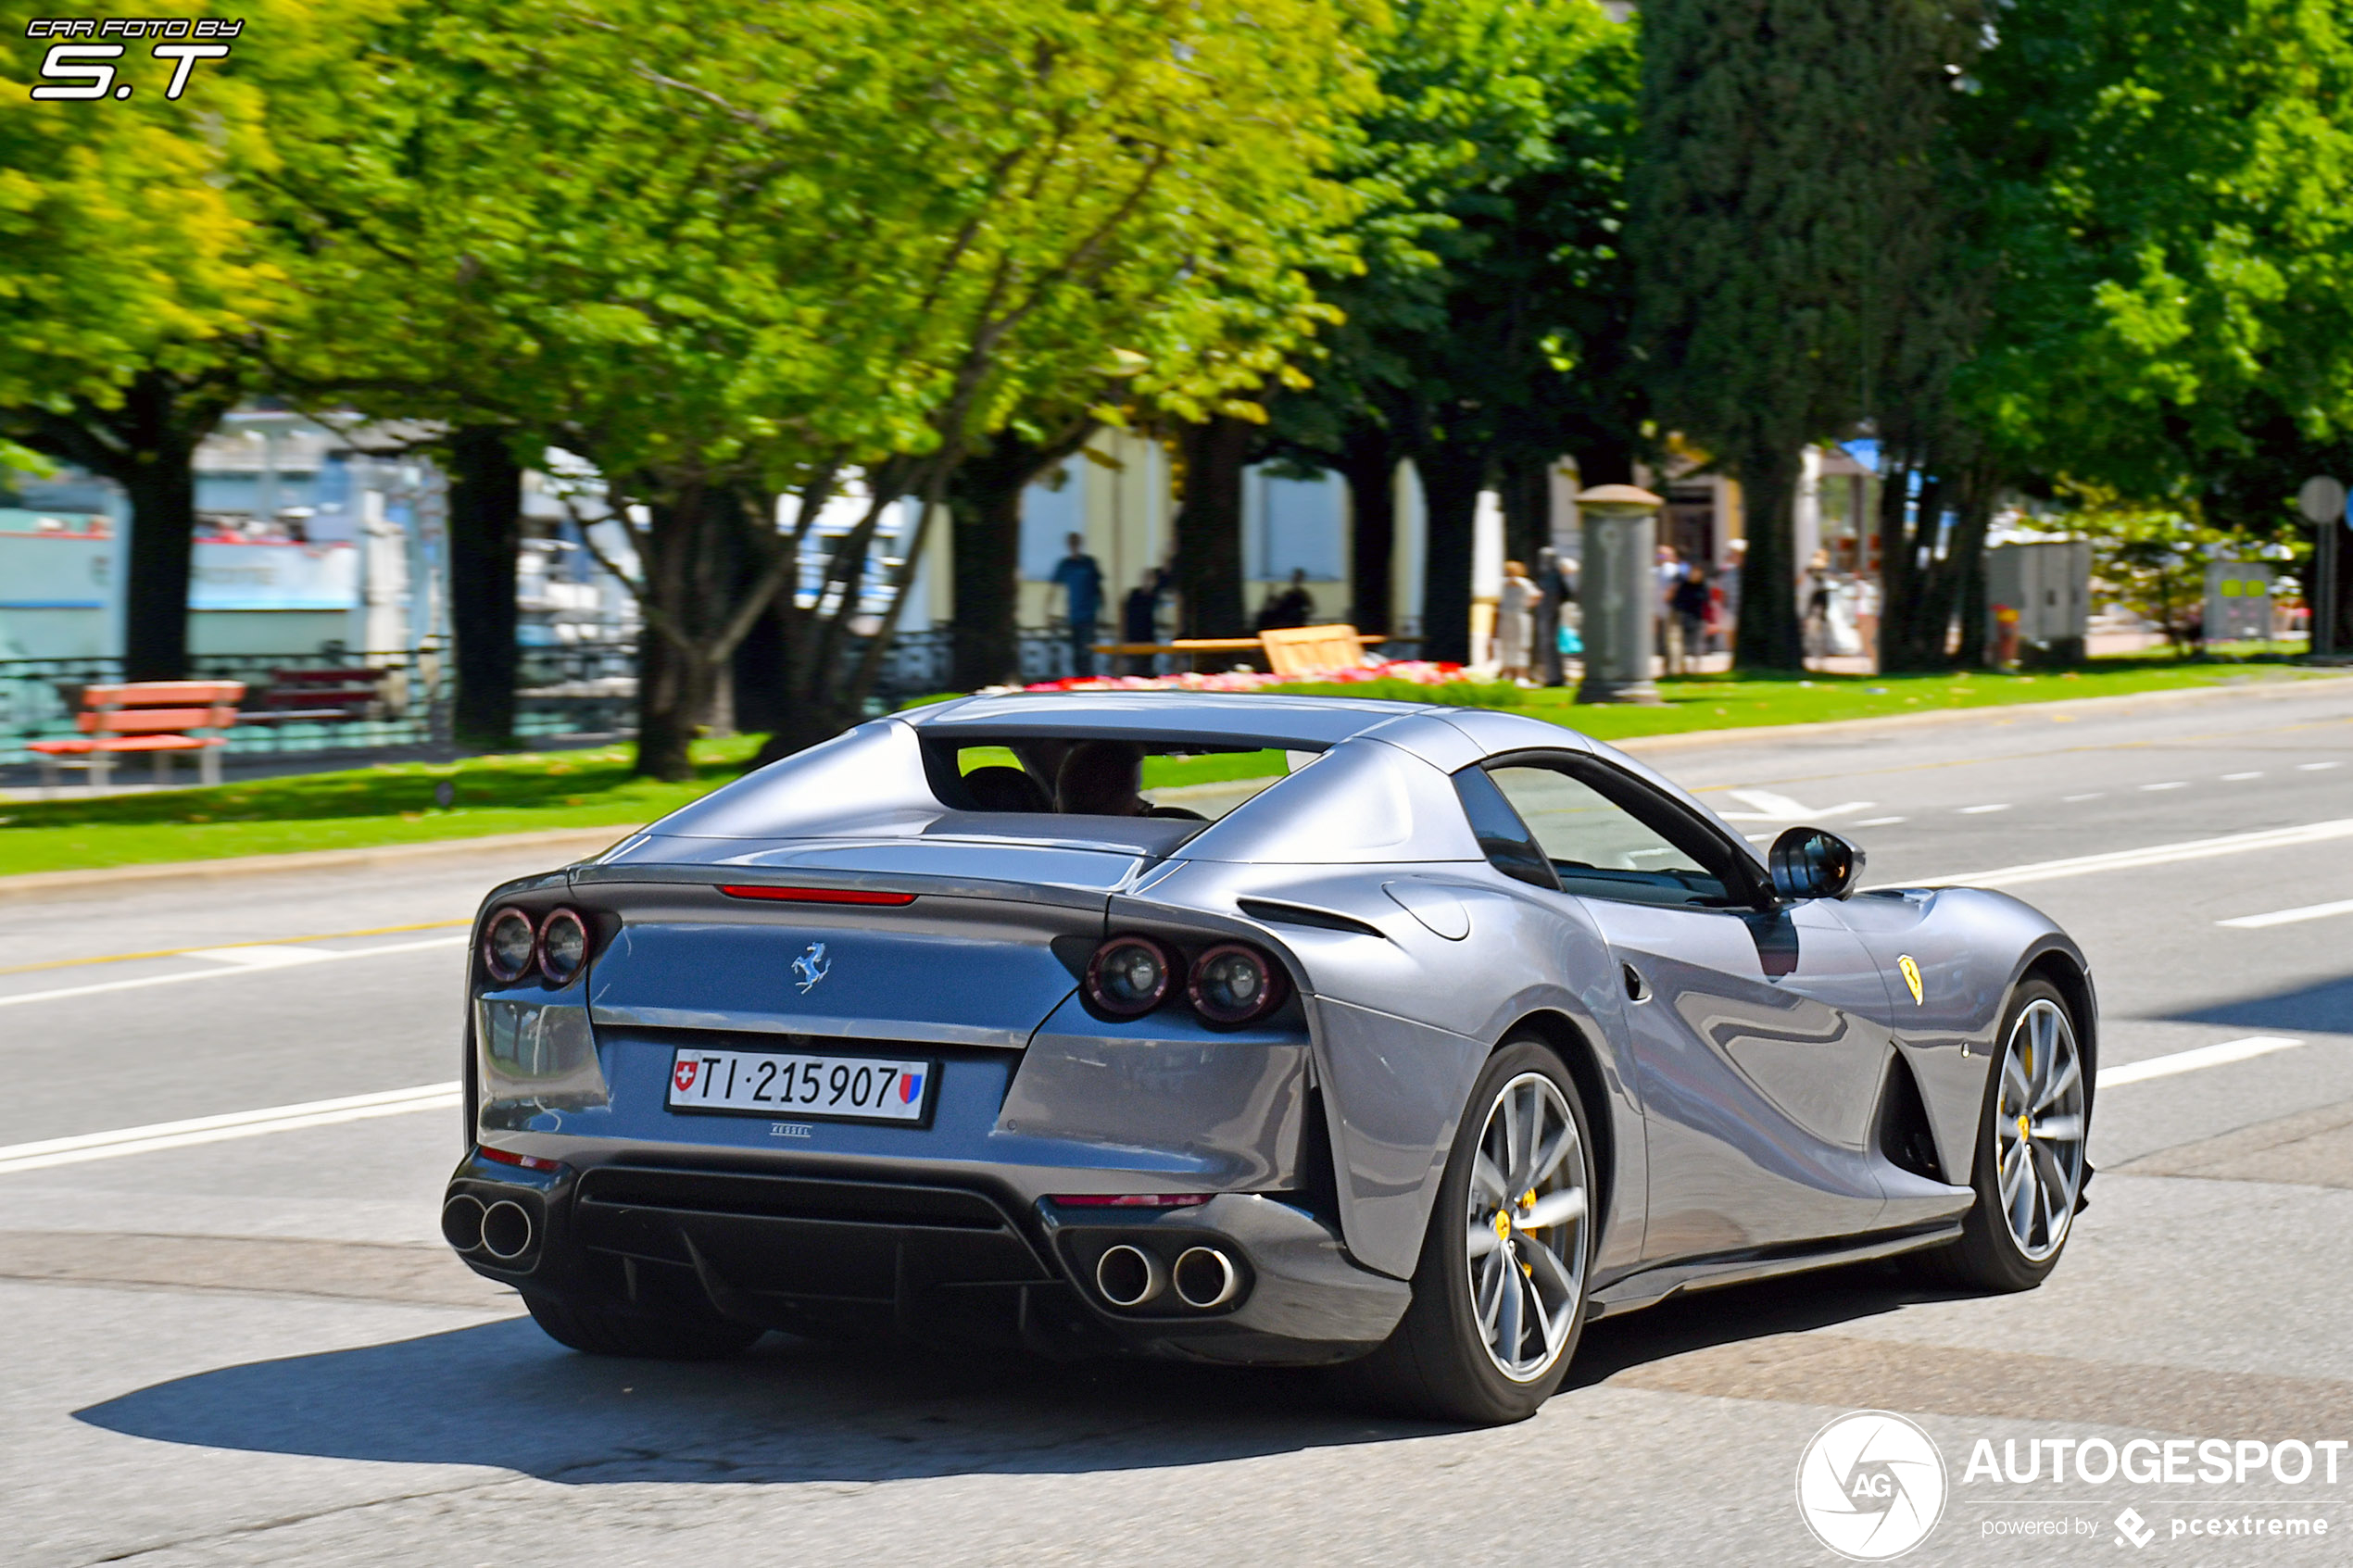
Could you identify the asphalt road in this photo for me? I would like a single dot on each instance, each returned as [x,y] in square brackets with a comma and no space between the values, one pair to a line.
[253,1349]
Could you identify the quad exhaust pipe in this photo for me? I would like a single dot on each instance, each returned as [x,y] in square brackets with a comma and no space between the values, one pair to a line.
[506,1230]
[502,1229]
[1129,1276]
[1205,1277]
[462,1223]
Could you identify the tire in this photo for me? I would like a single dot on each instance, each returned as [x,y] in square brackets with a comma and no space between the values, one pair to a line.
[1995,1252]
[608,1331]
[1438,1363]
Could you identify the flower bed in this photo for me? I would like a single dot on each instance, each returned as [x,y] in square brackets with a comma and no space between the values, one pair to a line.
[1416,672]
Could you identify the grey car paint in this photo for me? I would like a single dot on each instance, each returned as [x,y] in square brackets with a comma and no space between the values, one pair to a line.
[1733,1089]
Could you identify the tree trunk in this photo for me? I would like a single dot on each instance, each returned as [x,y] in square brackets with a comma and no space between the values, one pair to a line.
[984,510]
[673,690]
[485,534]
[161,486]
[1368,462]
[1898,588]
[690,592]
[1209,527]
[1525,486]
[1768,636]
[1451,480]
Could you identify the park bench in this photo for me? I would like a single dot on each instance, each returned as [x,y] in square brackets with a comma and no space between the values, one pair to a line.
[335,694]
[154,717]
[1297,651]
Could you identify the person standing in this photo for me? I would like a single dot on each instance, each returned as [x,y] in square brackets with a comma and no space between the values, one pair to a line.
[1139,618]
[1735,556]
[1688,606]
[1552,593]
[1515,623]
[1289,609]
[1081,580]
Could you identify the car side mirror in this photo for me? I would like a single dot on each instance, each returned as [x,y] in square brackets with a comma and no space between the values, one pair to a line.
[1814,864]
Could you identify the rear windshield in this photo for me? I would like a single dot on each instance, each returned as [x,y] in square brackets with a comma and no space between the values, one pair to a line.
[1101,777]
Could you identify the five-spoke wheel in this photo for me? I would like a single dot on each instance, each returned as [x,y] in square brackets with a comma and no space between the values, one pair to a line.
[1498,1295]
[2029,1169]
[1524,1239]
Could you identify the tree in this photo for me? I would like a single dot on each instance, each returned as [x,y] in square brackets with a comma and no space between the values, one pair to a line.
[729,252]
[1484,334]
[485,539]
[132,285]
[1785,146]
[2169,190]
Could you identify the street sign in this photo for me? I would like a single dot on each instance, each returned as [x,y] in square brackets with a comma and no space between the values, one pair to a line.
[2321,500]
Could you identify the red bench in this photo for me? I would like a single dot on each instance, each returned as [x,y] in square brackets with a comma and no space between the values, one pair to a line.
[154,717]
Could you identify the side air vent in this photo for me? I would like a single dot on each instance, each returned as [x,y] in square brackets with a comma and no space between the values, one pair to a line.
[1904,1136]
[1296,914]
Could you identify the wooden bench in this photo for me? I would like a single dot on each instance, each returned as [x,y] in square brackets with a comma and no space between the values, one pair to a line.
[1296,651]
[335,694]
[154,717]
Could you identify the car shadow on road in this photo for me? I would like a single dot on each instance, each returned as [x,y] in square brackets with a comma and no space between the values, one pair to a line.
[1701,1321]
[2322,1008]
[503,1395]
[794,1409]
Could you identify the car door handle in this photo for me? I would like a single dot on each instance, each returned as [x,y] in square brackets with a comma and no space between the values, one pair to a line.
[1637,988]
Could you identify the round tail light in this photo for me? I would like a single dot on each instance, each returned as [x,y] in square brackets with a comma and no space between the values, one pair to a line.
[508,944]
[564,942]
[1232,983]
[1129,976]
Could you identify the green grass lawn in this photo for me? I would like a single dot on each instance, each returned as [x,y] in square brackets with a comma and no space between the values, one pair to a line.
[395,804]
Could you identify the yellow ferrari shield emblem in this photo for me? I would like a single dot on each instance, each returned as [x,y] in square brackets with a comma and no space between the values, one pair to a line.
[1911,975]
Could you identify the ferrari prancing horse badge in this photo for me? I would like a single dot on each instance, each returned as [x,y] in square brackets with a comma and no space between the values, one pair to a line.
[1911,975]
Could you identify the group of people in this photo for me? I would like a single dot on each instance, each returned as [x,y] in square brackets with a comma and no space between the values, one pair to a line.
[1696,607]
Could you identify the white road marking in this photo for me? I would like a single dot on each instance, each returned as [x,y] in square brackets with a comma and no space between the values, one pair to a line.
[1766,807]
[1979,810]
[229,967]
[2192,1060]
[2289,917]
[2234,778]
[2155,854]
[2071,799]
[2312,767]
[260,955]
[216,1129]
[2174,783]
[1879,822]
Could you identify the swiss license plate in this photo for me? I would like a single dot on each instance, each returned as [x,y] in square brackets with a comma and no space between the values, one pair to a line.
[833,1087]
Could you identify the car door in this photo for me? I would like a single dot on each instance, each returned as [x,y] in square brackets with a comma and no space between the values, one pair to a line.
[1753,1029]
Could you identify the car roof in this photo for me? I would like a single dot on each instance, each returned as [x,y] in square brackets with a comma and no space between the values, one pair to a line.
[1222,719]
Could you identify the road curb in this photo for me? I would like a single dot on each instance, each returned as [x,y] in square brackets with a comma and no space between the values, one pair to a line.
[566,842]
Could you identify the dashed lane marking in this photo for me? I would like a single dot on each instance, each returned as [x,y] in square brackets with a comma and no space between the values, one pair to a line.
[2192,1060]
[2154,854]
[2289,917]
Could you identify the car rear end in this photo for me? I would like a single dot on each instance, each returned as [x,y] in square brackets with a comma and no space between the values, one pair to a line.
[909,1087]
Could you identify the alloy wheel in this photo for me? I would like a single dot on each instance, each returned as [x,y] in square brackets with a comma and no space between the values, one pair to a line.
[2038,1128]
[1527,1237]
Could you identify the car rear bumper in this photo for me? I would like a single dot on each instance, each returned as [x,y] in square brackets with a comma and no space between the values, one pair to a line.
[830,1253]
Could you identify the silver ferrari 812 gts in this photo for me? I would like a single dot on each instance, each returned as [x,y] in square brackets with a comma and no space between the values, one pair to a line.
[1458,1029]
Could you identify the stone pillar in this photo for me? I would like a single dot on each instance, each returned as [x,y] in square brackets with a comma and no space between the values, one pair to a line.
[1618,588]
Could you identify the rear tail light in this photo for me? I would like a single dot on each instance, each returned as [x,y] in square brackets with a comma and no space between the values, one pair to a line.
[1234,983]
[507,944]
[1129,976]
[563,943]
